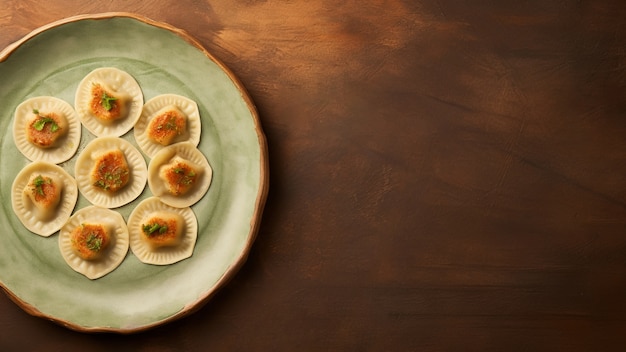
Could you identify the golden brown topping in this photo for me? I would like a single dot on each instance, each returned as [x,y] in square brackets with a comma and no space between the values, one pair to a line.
[90,240]
[106,105]
[45,129]
[45,194]
[166,126]
[180,177]
[163,230]
[111,171]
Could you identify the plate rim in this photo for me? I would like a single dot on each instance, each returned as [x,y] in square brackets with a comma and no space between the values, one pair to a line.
[259,204]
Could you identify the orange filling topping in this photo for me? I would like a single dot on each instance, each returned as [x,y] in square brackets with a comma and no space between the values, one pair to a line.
[45,130]
[165,127]
[106,105]
[180,178]
[111,172]
[161,231]
[44,191]
[89,241]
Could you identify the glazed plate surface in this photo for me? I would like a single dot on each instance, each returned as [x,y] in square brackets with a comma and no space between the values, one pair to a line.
[136,296]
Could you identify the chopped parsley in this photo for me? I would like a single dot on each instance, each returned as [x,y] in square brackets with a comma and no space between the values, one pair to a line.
[101,184]
[151,229]
[110,178]
[169,125]
[93,242]
[106,101]
[168,122]
[42,120]
[38,182]
[186,175]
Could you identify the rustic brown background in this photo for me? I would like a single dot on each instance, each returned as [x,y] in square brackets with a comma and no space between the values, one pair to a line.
[445,176]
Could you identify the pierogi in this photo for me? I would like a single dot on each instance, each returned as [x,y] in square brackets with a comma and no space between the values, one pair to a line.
[46,129]
[43,197]
[94,241]
[108,102]
[167,119]
[110,172]
[180,175]
[161,234]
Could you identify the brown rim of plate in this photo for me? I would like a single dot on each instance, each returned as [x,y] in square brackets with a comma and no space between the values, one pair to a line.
[260,200]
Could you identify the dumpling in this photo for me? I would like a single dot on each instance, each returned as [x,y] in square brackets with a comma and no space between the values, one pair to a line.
[47,129]
[167,125]
[94,241]
[160,234]
[180,175]
[108,102]
[43,197]
[163,229]
[110,172]
[167,119]
[90,241]
[44,192]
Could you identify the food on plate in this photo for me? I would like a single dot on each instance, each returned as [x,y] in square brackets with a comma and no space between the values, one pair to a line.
[108,102]
[168,124]
[43,197]
[163,229]
[94,241]
[90,241]
[110,172]
[46,128]
[179,174]
[167,119]
[44,192]
[161,234]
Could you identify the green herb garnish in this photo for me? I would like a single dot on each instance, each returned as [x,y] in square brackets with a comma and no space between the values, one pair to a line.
[93,242]
[110,178]
[43,120]
[38,182]
[186,175]
[169,125]
[101,184]
[150,229]
[106,101]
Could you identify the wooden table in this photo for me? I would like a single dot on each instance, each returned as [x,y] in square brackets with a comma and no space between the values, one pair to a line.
[445,175]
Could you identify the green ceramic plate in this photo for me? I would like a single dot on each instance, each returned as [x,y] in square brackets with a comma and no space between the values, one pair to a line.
[51,61]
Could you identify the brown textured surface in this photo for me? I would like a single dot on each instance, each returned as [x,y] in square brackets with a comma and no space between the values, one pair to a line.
[445,175]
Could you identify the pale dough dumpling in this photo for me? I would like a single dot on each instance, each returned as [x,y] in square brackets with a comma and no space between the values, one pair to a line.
[43,197]
[108,102]
[160,234]
[44,192]
[180,175]
[94,241]
[167,119]
[46,129]
[110,172]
